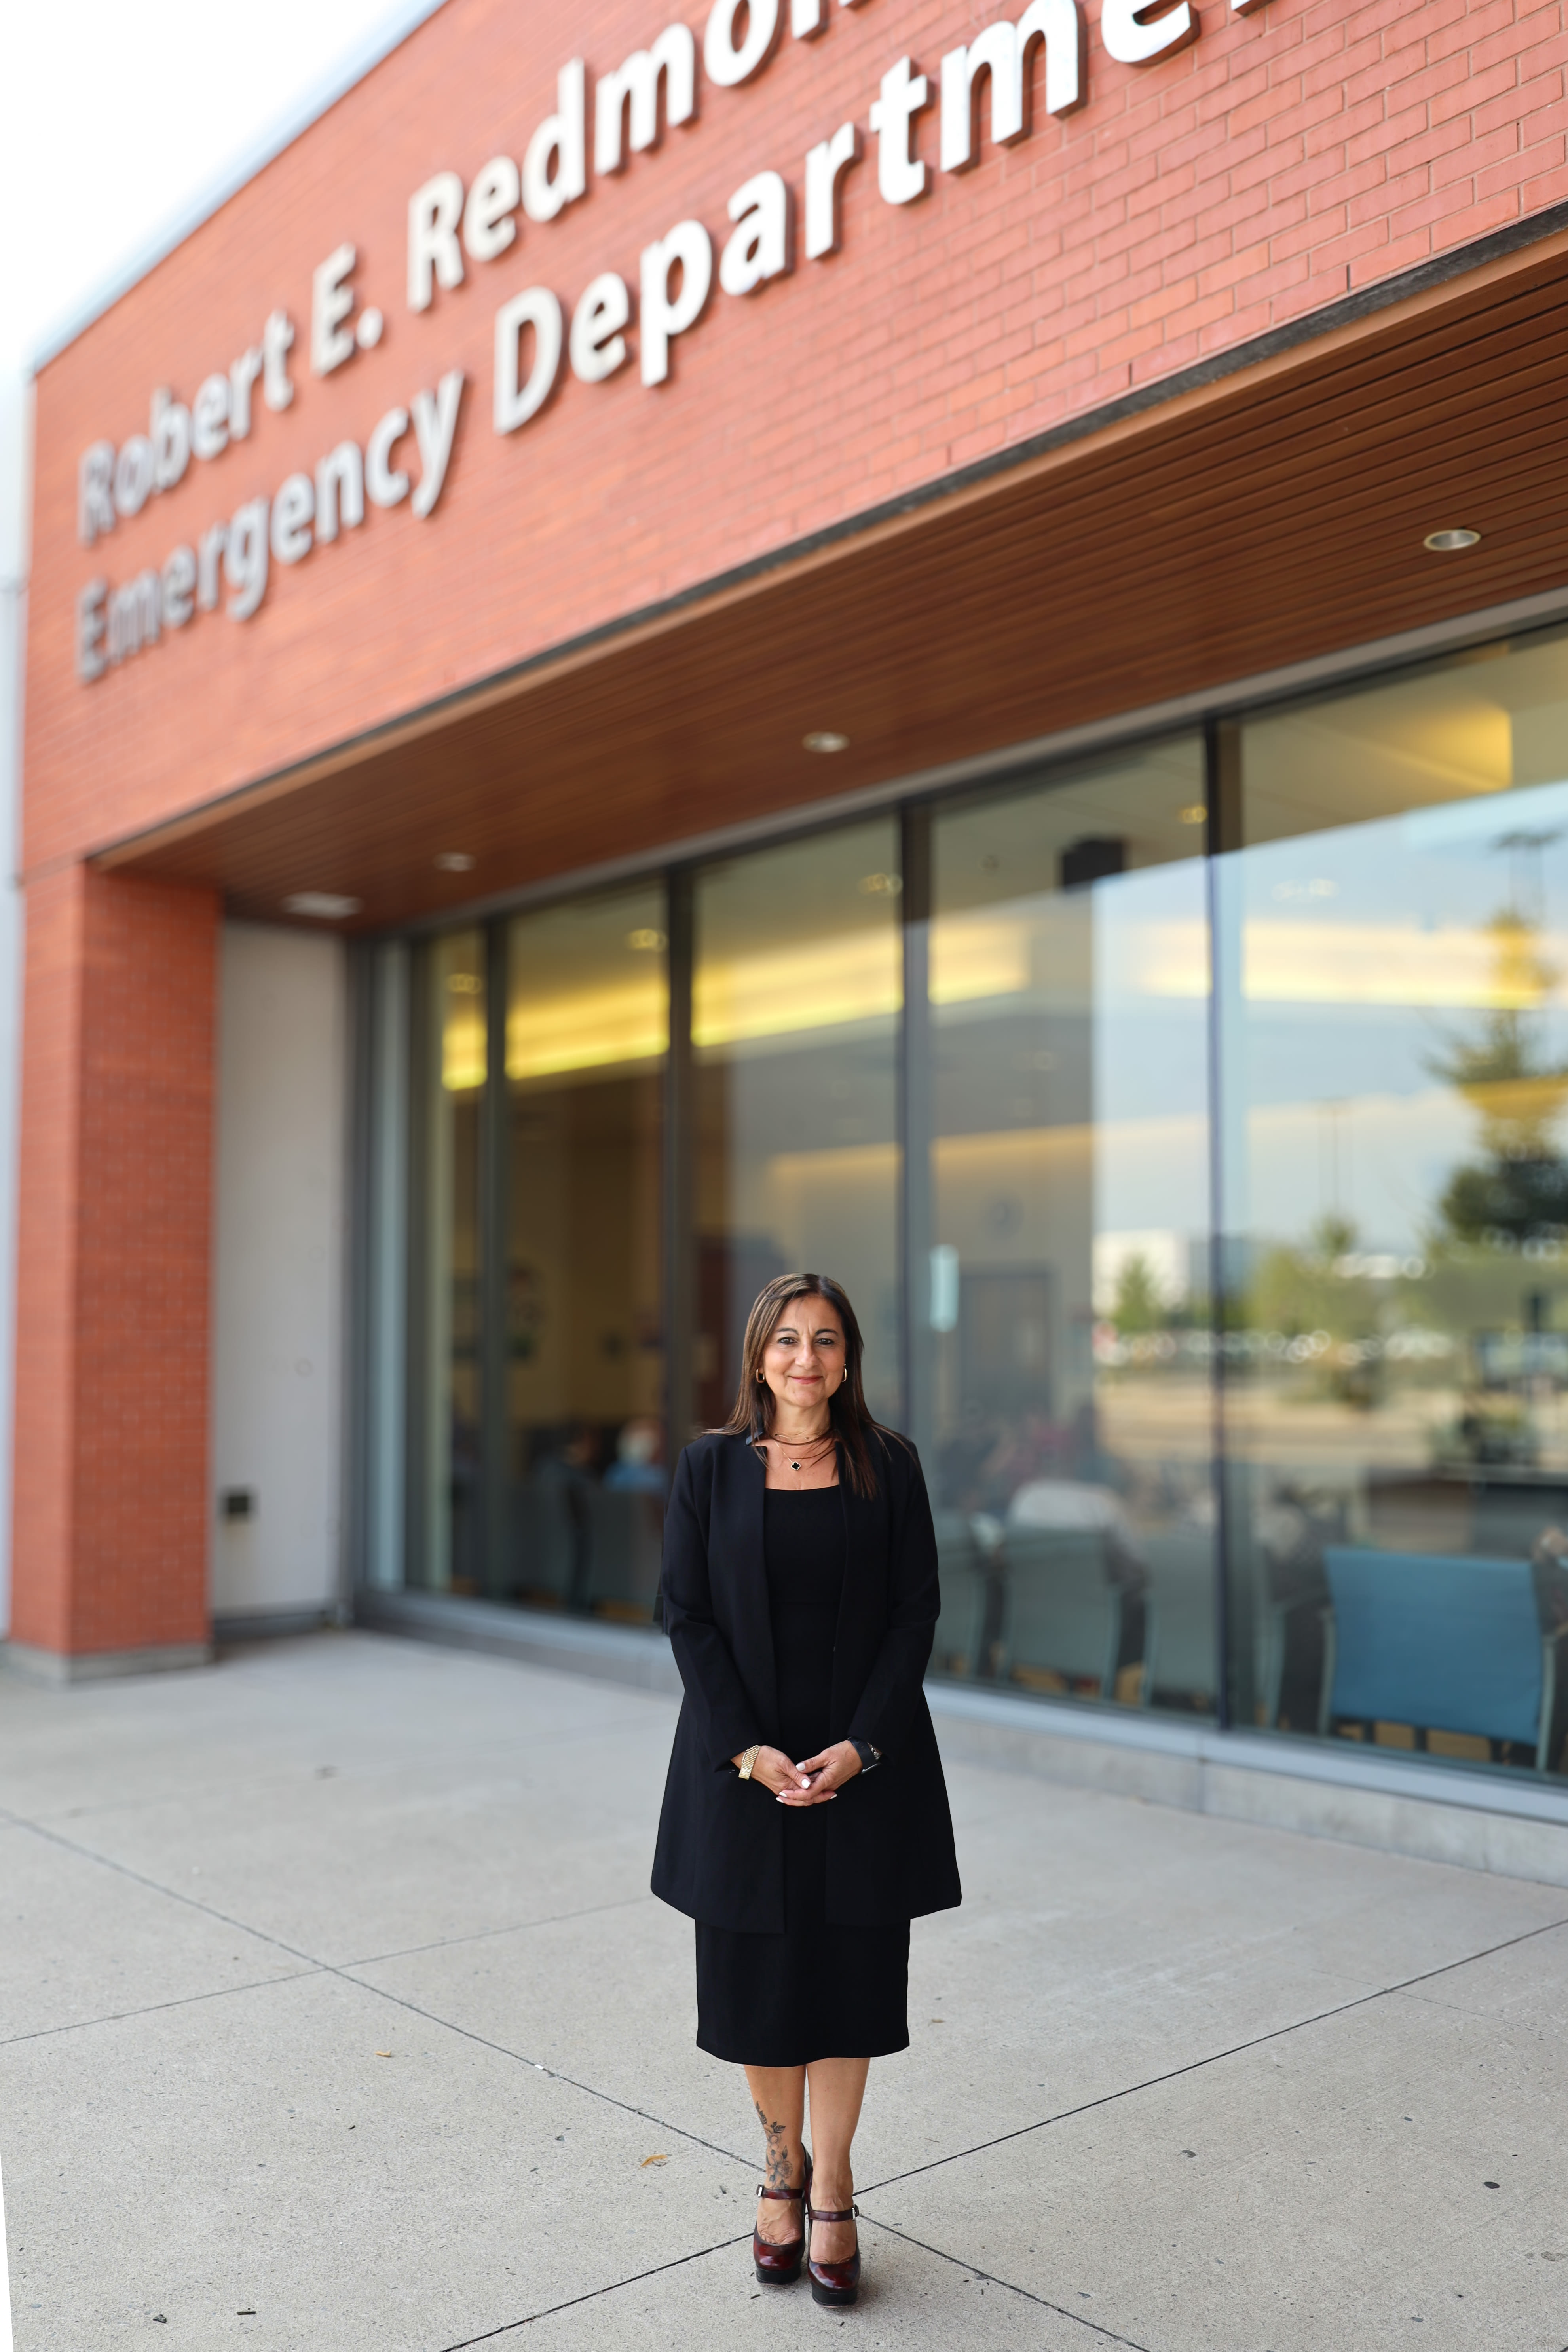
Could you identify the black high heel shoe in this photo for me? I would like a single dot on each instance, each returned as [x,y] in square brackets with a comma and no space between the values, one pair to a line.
[833,2282]
[779,2265]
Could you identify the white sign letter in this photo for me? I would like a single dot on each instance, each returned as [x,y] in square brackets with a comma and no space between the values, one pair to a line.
[555,169]
[688,249]
[1134,40]
[277,342]
[723,62]
[759,247]
[434,212]
[636,84]
[1004,55]
[171,437]
[243,374]
[209,563]
[488,227]
[515,403]
[95,502]
[435,425]
[210,417]
[331,302]
[384,488]
[340,489]
[91,661]
[245,559]
[825,166]
[900,175]
[179,588]
[133,476]
[598,345]
[293,511]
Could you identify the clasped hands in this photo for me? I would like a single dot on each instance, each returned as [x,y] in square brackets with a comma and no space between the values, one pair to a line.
[813,1782]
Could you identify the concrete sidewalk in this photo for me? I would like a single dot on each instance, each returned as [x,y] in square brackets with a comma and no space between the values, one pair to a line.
[335,2016]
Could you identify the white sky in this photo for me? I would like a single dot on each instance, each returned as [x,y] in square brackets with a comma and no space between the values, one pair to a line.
[116,123]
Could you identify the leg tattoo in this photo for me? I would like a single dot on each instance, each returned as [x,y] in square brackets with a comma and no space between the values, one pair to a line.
[778,2151]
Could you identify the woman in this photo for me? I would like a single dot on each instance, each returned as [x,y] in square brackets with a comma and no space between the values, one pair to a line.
[805,1819]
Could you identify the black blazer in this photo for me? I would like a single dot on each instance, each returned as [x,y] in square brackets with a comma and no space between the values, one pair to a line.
[720,1853]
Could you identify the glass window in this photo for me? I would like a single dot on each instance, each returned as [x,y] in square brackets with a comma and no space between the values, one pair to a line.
[582,1439]
[1063,1364]
[449,1046]
[796,991]
[996,1063]
[1392,942]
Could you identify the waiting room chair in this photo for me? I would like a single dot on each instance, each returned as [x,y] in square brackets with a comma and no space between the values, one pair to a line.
[1441,1643]
[960,1629]
[1063,1615]
[1179,1642]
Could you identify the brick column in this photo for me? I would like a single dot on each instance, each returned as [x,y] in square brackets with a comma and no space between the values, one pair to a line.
[111,1510]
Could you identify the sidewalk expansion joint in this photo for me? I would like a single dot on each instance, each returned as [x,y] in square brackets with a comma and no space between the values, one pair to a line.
[550,2074]
[1217,2057]
[572,2303]
[156,2008]
[510,1928]
[1106,2334]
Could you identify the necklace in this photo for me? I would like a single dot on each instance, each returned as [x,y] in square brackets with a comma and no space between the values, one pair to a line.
[811,1451]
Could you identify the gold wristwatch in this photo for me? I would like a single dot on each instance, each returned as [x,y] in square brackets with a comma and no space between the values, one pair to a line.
[749,1759]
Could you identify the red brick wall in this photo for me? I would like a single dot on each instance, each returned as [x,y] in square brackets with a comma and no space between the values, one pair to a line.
[111,1509]
[1289,155]
[1303,150]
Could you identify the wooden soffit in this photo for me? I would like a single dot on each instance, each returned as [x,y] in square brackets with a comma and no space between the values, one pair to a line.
[1268,518]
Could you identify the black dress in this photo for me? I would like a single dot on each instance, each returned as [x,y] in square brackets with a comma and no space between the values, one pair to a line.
[815,1992]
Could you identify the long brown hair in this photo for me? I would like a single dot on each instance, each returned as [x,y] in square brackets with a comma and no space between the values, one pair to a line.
[751,1415]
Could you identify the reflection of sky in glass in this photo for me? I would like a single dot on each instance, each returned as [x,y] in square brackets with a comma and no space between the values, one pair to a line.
[1366,957]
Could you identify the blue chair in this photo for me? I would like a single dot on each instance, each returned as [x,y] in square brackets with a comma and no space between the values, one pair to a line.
[1064,1616]
[1179,1647]
[1441,1643]
[961,1627]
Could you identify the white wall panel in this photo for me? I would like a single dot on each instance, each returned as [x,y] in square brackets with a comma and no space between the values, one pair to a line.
[278,1422]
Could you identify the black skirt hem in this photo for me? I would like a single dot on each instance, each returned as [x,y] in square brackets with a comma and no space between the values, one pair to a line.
[797,2057]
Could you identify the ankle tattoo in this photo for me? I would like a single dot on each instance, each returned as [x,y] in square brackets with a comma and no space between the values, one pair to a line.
[777,2159]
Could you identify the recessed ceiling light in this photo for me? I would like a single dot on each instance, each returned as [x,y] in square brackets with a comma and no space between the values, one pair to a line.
[647,941]
[1450,542]
[322,906]
[453,861]
[1195,815]
[823,739]
[881,885]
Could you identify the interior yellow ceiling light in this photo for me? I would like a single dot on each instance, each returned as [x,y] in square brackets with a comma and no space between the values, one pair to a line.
[976,960]
[588,1028]
[463,1047]
[791,988]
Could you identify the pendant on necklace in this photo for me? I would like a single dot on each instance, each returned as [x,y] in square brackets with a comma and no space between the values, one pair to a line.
[794,1465]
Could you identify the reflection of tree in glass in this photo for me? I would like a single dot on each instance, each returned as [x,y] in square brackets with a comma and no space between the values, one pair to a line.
[1140,1302]
[1520,1186]
[1298,1286]
[1309,1287]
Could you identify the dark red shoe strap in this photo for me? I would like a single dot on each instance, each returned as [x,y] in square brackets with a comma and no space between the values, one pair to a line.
[853,2215]
[784,2195]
